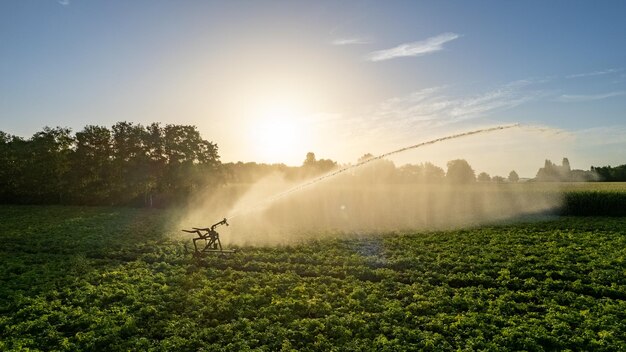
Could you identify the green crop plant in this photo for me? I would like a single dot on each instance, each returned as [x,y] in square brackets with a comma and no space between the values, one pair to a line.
[75,278]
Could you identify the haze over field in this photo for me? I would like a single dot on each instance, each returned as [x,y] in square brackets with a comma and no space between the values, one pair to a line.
[270,81]
[343,207]
[371,197]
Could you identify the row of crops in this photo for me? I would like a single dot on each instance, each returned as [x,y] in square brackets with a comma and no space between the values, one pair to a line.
[594,203]
[75,278]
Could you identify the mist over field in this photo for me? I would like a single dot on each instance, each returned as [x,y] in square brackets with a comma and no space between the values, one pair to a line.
[349,206]
[370,197]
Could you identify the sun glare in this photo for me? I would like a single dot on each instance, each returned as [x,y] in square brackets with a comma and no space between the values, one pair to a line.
[279,135]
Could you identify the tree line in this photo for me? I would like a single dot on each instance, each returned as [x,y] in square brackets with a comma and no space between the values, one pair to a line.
[383,171]
[128,164]
[564,173]
[611,174]
[458,171]
[156,165]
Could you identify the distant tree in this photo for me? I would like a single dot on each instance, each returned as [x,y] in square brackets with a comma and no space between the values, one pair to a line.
[91,171]
[192,163]
[483,177]
[310,160]
[251,172]
[410,173]
[610,174]
[51,163]
[130,162]
[548,172]
[552,172]
[311,166]
[565,166]
[8,168]
[513,177]
[156,159]
[420,173]
[432,173]
[4,138]
[376,171]
[326,165]
[459,171]
[584,176]
[123,165]
[498,179]
[365,157]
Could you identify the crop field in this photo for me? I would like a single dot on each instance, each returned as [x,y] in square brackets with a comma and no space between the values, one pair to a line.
[312,176]
[589,199]
[89,278]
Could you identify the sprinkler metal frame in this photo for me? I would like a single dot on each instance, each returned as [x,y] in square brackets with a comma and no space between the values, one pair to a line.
[211,238]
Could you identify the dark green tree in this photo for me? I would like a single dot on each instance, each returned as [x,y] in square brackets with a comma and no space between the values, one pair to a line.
[126,165]
[91,172]
[34,170]
[50,164]
[610,174]
[191,162]
[130,162]
[8,168]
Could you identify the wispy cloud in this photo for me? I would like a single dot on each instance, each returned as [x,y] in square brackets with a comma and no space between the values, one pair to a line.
[432,106]
[64,2]
[589,97]
[350,41]
[595,73]
[424,47]
[434,109]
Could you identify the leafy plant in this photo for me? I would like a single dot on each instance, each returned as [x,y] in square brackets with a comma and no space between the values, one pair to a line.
[75,278]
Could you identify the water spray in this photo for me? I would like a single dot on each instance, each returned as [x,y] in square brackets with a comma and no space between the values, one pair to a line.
[211,237]
[361,163]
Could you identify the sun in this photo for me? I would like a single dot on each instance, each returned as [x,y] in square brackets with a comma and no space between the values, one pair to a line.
[279,135]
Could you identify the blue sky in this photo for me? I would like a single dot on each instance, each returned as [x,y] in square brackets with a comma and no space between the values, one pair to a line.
[354,72]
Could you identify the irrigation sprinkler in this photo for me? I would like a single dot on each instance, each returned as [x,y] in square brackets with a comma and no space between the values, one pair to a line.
[361,163]
[211,238]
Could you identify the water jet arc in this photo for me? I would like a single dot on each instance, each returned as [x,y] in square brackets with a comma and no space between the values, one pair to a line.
[361,163]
